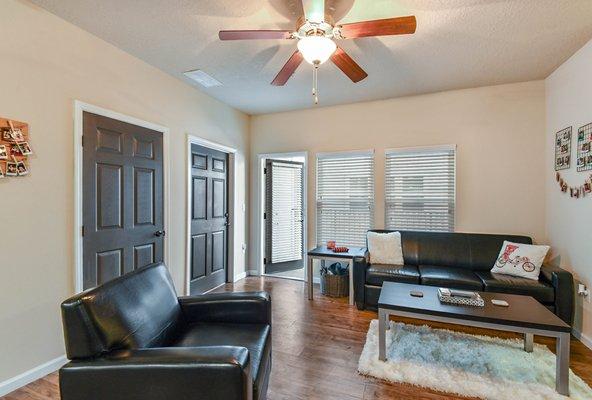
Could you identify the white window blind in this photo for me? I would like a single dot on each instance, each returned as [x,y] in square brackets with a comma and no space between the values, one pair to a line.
[284,211]
[420,189]
[345,197]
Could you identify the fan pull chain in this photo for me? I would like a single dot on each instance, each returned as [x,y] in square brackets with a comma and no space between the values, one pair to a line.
[315,83]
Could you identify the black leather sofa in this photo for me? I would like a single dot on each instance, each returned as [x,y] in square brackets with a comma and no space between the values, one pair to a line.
[461,261]
[133,339]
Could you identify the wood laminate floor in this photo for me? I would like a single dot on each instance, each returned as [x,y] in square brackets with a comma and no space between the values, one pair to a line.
[316,345]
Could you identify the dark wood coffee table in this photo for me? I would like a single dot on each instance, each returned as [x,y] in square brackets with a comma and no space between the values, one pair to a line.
[524,315]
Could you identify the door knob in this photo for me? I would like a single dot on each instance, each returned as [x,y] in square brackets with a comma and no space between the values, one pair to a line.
[159,233]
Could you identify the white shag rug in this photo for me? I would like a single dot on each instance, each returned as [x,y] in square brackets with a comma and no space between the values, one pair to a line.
[464,364]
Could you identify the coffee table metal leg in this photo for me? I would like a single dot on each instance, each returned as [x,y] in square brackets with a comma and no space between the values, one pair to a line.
[310,277]
[562,364]
[382,323]
[351,282]
[528,342]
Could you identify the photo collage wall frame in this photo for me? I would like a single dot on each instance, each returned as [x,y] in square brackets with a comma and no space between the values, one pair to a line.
[584,162]
[15,148]
[563,149]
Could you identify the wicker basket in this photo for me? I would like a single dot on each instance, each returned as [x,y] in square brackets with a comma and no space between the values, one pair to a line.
[335,285]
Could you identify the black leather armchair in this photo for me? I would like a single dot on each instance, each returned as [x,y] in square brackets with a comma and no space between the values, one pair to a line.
[461,261]
[133,338]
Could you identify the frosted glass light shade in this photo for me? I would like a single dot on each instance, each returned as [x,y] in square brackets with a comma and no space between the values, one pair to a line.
[316,49]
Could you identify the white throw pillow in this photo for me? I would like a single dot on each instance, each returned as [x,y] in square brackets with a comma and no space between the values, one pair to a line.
[518,259]
[385,248]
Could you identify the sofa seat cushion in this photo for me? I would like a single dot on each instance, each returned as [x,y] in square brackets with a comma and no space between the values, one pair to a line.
[255,337]
[500,283]
[455,278]
[376,274]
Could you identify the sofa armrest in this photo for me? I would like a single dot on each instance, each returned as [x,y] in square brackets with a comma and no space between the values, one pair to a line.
[231,307]
[563,283]
[214,372]
[360,263]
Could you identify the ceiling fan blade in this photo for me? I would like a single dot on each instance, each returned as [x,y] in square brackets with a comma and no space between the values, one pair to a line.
[254,34]
[314,10]
[288,70]
[379,27]
[349,67]
[337,9]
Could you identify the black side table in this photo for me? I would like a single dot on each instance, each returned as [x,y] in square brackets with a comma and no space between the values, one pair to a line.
[322,253]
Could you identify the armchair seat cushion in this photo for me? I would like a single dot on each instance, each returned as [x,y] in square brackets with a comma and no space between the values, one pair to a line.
[376,274]
[500,283]
[456,278]
[255,337]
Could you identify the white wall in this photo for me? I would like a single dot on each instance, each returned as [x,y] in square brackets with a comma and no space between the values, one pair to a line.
[569,221]
[47,63]
[498,131]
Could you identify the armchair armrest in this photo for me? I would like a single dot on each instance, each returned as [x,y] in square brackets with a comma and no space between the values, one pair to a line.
[360,263]
[563,283]
[246,308]
[214,372]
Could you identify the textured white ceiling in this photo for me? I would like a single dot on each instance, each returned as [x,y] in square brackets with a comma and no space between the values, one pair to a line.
[458,44]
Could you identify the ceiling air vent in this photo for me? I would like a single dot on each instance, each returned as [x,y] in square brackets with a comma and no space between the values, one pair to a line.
[202,78]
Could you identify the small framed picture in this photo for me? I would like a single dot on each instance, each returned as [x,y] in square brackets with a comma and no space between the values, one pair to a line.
[17,135]
[6,134]
[25,148]
[1,171]
[11,169]
[15,150]
[21,168]
[3,152]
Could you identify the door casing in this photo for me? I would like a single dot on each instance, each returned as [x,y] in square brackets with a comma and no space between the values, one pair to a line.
[232,204]
[79,108]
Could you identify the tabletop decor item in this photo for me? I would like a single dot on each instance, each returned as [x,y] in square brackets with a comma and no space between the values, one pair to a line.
[460,297]
[340,249]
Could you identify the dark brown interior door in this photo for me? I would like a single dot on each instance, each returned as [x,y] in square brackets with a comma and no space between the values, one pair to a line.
[209,218]
[122,198]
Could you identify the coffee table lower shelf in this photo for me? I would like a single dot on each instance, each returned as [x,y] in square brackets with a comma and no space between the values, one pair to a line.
[562,346]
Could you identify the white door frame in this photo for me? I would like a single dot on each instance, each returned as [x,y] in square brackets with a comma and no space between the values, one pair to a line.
[260,195]
[79,109]
[232,202]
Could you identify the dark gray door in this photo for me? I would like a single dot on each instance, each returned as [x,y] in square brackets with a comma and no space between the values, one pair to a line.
[122,198]
[209,218]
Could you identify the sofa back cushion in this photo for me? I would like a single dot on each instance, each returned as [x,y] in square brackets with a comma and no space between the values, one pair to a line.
[475,251]
[137,310]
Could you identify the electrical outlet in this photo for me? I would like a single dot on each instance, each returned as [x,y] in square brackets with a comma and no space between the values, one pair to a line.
[583,291]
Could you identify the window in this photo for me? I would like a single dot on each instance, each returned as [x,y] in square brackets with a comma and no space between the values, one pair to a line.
[345,197]
[420,189]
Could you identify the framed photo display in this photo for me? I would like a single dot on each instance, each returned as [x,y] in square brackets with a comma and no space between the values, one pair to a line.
[563,149]
[585,148]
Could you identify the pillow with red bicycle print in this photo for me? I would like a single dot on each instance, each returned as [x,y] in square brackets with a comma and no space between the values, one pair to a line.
[519,259]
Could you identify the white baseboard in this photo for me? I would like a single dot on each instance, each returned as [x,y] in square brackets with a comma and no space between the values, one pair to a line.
[253,272]
[31,375]
[240,276]
[583,338]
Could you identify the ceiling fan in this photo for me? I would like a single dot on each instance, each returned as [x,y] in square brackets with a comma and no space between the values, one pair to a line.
[316,33]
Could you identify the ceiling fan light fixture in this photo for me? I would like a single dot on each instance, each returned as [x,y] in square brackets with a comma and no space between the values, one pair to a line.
[316,49]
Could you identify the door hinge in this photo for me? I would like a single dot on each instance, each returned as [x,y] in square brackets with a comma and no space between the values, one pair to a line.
[82,229]
[264,215]
[264,170]
[82,141]
[264,260]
